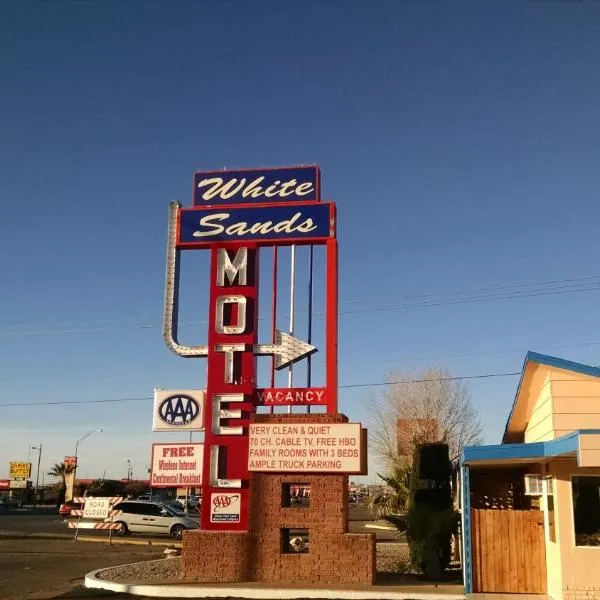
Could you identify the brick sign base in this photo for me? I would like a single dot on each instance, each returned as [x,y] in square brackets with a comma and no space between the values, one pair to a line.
[334,557]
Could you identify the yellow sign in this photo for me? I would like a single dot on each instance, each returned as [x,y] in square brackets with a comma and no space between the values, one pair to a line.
[20,470]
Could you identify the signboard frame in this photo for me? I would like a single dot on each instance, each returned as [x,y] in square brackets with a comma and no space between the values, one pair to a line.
[310,447]
[258,210]
[271,174]
[161,396]
[19,469]
[198,457]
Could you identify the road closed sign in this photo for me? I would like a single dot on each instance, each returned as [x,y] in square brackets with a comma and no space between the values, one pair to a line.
[96,508]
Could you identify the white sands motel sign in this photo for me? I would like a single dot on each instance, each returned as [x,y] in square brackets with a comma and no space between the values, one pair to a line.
[235,213]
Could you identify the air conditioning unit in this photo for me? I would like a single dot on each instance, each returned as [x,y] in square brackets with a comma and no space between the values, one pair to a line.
[534,485]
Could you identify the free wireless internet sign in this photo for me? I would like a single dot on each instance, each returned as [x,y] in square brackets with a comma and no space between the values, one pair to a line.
[178,410]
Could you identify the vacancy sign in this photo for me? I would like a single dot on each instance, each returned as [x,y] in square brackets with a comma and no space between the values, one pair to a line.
[306,448]
[176,465]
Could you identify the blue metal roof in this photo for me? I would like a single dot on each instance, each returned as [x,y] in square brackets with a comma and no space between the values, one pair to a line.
[534,450]
[550,361]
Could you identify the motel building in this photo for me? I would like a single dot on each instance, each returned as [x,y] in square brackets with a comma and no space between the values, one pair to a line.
[531,505]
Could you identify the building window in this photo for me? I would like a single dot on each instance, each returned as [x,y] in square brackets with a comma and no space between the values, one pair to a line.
[295,495]
[550,510]
[586,510]
[294,541]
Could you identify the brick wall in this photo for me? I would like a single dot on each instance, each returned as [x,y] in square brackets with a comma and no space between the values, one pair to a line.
[334,555]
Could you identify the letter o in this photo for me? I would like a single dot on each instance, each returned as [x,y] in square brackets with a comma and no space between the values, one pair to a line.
[240,327]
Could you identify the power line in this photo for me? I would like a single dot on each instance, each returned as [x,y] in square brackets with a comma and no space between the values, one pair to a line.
[534,347]
[347,386]
[102,401]
[320,314]
[421,301]
[405,381]
[491,289]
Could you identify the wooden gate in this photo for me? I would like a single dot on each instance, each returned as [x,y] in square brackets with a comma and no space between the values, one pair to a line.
[509,551]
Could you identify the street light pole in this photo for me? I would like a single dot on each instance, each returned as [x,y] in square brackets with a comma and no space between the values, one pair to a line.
[37,475]
[99,430]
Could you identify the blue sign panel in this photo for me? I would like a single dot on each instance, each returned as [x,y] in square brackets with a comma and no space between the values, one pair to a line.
[295,222]
[256,186]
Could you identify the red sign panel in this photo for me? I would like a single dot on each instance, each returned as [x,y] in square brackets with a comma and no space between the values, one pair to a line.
[291,396]
[231,380]
[4,484]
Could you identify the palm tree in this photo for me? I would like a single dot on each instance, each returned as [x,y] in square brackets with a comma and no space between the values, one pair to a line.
[394,501]
[60,471]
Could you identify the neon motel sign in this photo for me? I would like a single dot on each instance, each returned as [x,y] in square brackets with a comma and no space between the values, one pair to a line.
[234,215]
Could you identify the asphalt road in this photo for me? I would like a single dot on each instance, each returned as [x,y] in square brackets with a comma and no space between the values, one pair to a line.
[45,520]
[44,569]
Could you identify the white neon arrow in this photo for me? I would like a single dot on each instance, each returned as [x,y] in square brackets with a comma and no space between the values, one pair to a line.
[287,349]
[171,305]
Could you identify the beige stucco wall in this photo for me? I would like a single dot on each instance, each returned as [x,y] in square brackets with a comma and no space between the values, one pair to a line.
[589,450]
[575,402]
[540,427]
[572,570]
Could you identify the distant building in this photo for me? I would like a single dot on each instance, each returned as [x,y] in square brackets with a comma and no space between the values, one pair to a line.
[411,432]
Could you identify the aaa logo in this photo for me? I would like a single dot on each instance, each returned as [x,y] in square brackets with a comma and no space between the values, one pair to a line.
[179,410]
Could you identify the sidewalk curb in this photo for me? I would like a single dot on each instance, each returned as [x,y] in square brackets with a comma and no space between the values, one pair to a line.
[17,535]
[92,581]
[122,541]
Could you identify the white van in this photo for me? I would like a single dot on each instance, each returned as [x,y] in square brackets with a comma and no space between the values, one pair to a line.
[152,517]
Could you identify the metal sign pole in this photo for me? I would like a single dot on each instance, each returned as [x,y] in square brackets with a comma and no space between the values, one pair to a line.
[292,308]
[273,317]
[310,311]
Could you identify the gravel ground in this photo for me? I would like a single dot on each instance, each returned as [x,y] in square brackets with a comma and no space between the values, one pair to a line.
[391,558]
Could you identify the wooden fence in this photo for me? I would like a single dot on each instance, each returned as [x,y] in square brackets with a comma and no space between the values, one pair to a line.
[509,552]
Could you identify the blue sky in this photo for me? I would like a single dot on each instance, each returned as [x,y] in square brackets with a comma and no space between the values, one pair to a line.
[459,141]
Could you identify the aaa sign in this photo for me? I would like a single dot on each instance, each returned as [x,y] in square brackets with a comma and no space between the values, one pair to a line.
[307,448]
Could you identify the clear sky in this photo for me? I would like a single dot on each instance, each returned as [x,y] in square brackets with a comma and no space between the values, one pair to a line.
[459,141]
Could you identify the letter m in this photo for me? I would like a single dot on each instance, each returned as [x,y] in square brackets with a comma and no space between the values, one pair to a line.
[236,268]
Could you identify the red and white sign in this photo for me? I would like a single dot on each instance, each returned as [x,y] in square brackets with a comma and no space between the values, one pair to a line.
[70,461]
[4,484]
[88,525]
[232,345]
[96,508]
[291,396]
[176,465]
[306,448]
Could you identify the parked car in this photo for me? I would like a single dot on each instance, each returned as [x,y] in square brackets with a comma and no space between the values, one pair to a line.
[66,508]
[193,502]
[144,497]
[140,516]
[7,502]
[176,504]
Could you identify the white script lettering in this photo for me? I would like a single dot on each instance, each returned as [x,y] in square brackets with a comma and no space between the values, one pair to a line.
[218,188]
[211,226]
